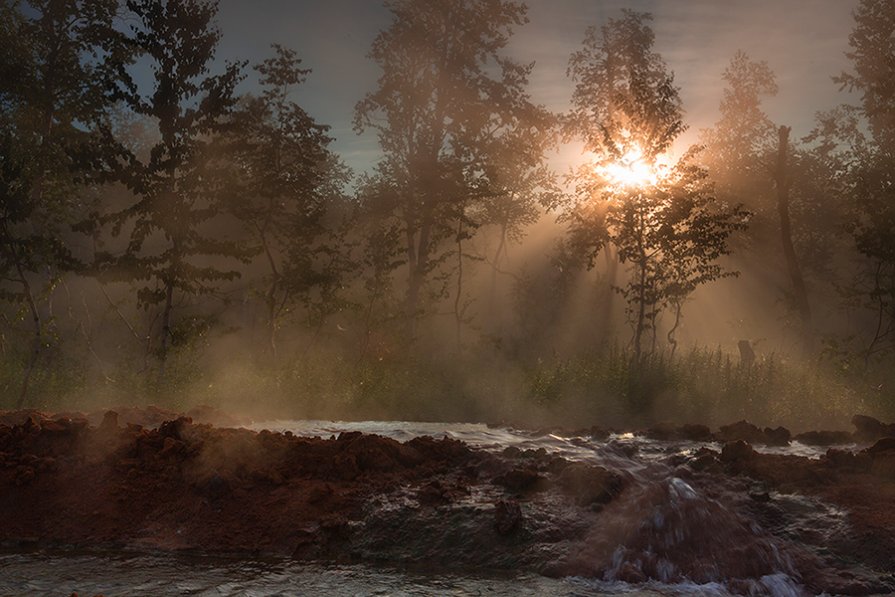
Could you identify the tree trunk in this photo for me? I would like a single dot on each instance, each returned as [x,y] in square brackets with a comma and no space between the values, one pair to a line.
[166,326]
[458,319]
[604,321]
[781,178]
[495,268]
[641,294]
[38,340]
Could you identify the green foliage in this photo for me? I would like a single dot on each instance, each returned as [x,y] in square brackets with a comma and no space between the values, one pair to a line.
[666,224]
[176,192]
[462,143]
[616,388]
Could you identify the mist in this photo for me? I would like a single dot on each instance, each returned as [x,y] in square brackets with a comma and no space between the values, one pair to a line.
[328,219]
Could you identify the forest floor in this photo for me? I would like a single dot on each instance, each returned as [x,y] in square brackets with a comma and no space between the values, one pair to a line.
[148,479]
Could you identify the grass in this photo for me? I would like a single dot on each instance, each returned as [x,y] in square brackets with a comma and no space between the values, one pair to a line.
[609,388]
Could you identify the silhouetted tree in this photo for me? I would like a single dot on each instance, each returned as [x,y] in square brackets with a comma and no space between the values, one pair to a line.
[736,148]
[54,94]
[176,191]
[285,183]
[662,220]
[872,176]
[754,161]
[446,94]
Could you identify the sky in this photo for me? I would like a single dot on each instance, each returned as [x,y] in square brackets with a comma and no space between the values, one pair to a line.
[804,42]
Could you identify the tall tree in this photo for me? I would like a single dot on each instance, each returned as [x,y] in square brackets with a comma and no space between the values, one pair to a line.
[54,97]
[755,161]
[444,95]
[285,184]
[873,172]
[175,189]
[744,135]
[661,219]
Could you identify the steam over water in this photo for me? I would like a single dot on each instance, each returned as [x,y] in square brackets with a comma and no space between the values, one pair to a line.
[660,519]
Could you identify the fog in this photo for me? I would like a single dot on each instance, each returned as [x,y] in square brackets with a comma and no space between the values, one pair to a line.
[452,210]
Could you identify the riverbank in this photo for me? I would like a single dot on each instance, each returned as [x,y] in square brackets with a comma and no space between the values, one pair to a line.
[683,504]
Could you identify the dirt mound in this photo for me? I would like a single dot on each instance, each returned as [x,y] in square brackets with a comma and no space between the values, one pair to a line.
[183,485]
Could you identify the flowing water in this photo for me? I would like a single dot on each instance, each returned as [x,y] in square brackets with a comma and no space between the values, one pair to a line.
[664,522]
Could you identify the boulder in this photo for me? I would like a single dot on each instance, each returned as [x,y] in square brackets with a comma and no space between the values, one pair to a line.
[741,431]
[824,438]
[507,516]
[520,479]
[868,429]
[777,437]
[589,484]
[737,451]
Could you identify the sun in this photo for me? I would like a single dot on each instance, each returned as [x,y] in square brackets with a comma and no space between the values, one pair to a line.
[632,169]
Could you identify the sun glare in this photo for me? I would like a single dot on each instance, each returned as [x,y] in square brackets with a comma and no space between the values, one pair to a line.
[632,170]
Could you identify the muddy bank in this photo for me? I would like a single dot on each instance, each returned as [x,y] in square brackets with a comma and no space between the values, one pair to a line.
[727,515]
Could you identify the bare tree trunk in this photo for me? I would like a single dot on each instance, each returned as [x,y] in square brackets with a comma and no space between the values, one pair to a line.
[604,321]
[166,326]
[495,267]
[781,178]
[38,340]
[458,319]
[678,306]
[641,295]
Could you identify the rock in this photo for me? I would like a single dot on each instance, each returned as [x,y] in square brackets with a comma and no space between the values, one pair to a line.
[824,438]
[662,432]
[345,466]
[704,460]
[598,433]
[741,431]
[512,452]
[432,493]
[519,479]
[31,424]
[630,573]
[737,451]
[54,426]
[670,432]
[176,428]
[110,422]
[882,455]
[589,484]
[507,516]
[886,444]
[172,447]
[883,465]
[868,429]
[696,433]
[319,493]
[777,437]
[214,488]
[843,459]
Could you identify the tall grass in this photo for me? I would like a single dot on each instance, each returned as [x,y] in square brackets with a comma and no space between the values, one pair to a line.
[608,388]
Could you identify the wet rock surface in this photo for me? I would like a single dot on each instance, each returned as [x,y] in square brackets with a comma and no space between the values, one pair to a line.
[730,515]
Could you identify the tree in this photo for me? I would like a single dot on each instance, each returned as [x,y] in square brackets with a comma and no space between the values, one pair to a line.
[872,175]
[663,220]
[175,190]
[737,146]
[444,96]
[55,65]
[286,182]
[753,160]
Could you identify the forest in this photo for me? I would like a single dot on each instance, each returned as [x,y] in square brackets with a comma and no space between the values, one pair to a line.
[177,229]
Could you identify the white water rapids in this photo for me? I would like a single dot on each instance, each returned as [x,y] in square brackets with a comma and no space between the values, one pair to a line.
[669,510]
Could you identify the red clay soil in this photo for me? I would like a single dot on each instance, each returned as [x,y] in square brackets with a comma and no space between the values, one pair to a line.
[188,486]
